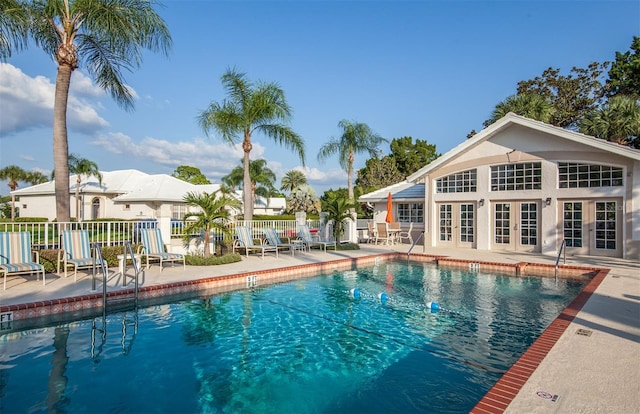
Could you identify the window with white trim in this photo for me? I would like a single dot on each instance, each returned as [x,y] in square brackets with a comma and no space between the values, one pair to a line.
[510,177]
[178,211]
[576,175]
[411,212]
[460,182]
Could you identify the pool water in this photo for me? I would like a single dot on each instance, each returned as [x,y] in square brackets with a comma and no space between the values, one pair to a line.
[310,346]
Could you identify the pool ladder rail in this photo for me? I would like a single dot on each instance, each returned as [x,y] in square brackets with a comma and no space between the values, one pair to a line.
[127,255]
[563,248]
[414,243]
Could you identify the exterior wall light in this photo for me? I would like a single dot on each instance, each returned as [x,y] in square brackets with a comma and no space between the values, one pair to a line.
[481,202]
[548,201]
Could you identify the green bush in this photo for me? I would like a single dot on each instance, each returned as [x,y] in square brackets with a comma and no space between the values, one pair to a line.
[348,246]
[197,260]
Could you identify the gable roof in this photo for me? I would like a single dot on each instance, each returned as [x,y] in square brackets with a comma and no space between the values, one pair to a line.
[513,119]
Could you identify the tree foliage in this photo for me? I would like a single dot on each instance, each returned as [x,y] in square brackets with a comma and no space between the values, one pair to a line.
[529,105]
[303,198]
[344,193]
[356,138]
[572,96]
[338,210]
[14,25]
[292,180]
[13,174]
[190,174]
[624,75]
[105,37]
[262,178]
[410,157]
[250,108]
[378,173]
[617,121]
[213,214]
[82,166]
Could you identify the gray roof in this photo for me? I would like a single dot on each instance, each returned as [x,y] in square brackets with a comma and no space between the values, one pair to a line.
[403,191]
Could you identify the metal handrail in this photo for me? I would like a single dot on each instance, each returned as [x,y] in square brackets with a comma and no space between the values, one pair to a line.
[414,243]
[562,248]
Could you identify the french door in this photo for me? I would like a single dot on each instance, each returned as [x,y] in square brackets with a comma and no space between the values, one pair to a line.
[592,227]
[516,225]
[457,225]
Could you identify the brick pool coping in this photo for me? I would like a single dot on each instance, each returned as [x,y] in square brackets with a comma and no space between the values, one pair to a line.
[497,398]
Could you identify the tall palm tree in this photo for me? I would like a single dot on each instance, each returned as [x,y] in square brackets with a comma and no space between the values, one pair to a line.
[13,174]
[356,137]
[105,37]
[250,108]
[528,105]
[14,24]
[213,213]
[292,180]
[617,121]
[261,176]
[79,167]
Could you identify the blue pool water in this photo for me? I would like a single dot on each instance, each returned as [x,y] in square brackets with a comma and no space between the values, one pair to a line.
[307,346]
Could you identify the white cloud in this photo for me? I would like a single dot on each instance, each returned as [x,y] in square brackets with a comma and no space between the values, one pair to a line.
[27,102]
[213,159]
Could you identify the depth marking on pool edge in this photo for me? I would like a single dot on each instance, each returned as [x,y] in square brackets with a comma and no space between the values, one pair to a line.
[6,320]
[548,396]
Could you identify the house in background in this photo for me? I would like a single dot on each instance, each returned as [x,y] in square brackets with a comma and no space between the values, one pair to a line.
[123,194]
[523,185]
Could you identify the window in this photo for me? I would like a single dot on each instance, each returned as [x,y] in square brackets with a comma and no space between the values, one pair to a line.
[461,182]
[572,219]
[510,177]
[574,175]
[126,207]
[178,211]
[446,219]
[411,212]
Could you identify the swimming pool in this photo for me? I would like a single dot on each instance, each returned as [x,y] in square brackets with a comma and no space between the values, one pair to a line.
[314,345]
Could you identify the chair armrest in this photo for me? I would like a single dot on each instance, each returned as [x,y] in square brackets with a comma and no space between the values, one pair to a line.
[36,255]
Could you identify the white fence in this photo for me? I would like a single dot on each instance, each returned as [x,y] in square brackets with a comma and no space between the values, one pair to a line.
[46,235]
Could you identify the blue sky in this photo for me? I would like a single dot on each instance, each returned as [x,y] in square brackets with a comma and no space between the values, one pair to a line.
[432,70]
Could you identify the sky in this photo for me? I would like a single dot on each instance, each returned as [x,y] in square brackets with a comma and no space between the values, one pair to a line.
[431,70]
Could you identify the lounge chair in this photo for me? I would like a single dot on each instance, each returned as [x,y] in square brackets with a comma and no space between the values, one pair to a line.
[76,252]
[245,241]
[274,240]
[16,256]
[153,248]
[305,235]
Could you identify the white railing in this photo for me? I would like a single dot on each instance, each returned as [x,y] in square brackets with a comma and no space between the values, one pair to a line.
[46,235]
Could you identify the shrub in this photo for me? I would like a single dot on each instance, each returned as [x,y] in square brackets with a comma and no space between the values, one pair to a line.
[197,260]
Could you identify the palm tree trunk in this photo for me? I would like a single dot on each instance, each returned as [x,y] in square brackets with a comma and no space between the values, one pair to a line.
[247,196]
[60,143]
[78,215]
[13,206]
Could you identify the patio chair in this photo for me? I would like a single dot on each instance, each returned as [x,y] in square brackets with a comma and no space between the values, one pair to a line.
[274,240]
[406,235]
[245,241]
[153,248]
[305,235]
[76,252]
[372,232]
[382,233]
[16,256]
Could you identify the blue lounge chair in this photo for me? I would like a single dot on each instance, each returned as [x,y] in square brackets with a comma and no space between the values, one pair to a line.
[305,235]
[153,248]
[245,241]
[76,250]
[16,256]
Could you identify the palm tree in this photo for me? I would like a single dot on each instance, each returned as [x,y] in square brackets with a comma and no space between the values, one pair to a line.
[80,167]
[13,174]
[213,213]
[339,210]
[35,177]
[617,121]
[528,105]
[356,137]
[14,24]
[251,108]
[261,176]
[292,180]
[105,37]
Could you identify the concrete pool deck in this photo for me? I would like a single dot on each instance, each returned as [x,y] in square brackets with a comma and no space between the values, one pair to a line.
[593,366]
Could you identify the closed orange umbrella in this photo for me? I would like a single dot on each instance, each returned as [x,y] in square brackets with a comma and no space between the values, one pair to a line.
[389,218]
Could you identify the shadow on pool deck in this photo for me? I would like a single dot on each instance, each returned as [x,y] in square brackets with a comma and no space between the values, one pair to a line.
[596,373]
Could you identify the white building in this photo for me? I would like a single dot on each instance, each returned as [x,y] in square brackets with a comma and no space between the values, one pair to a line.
[523,185]
[123,194]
